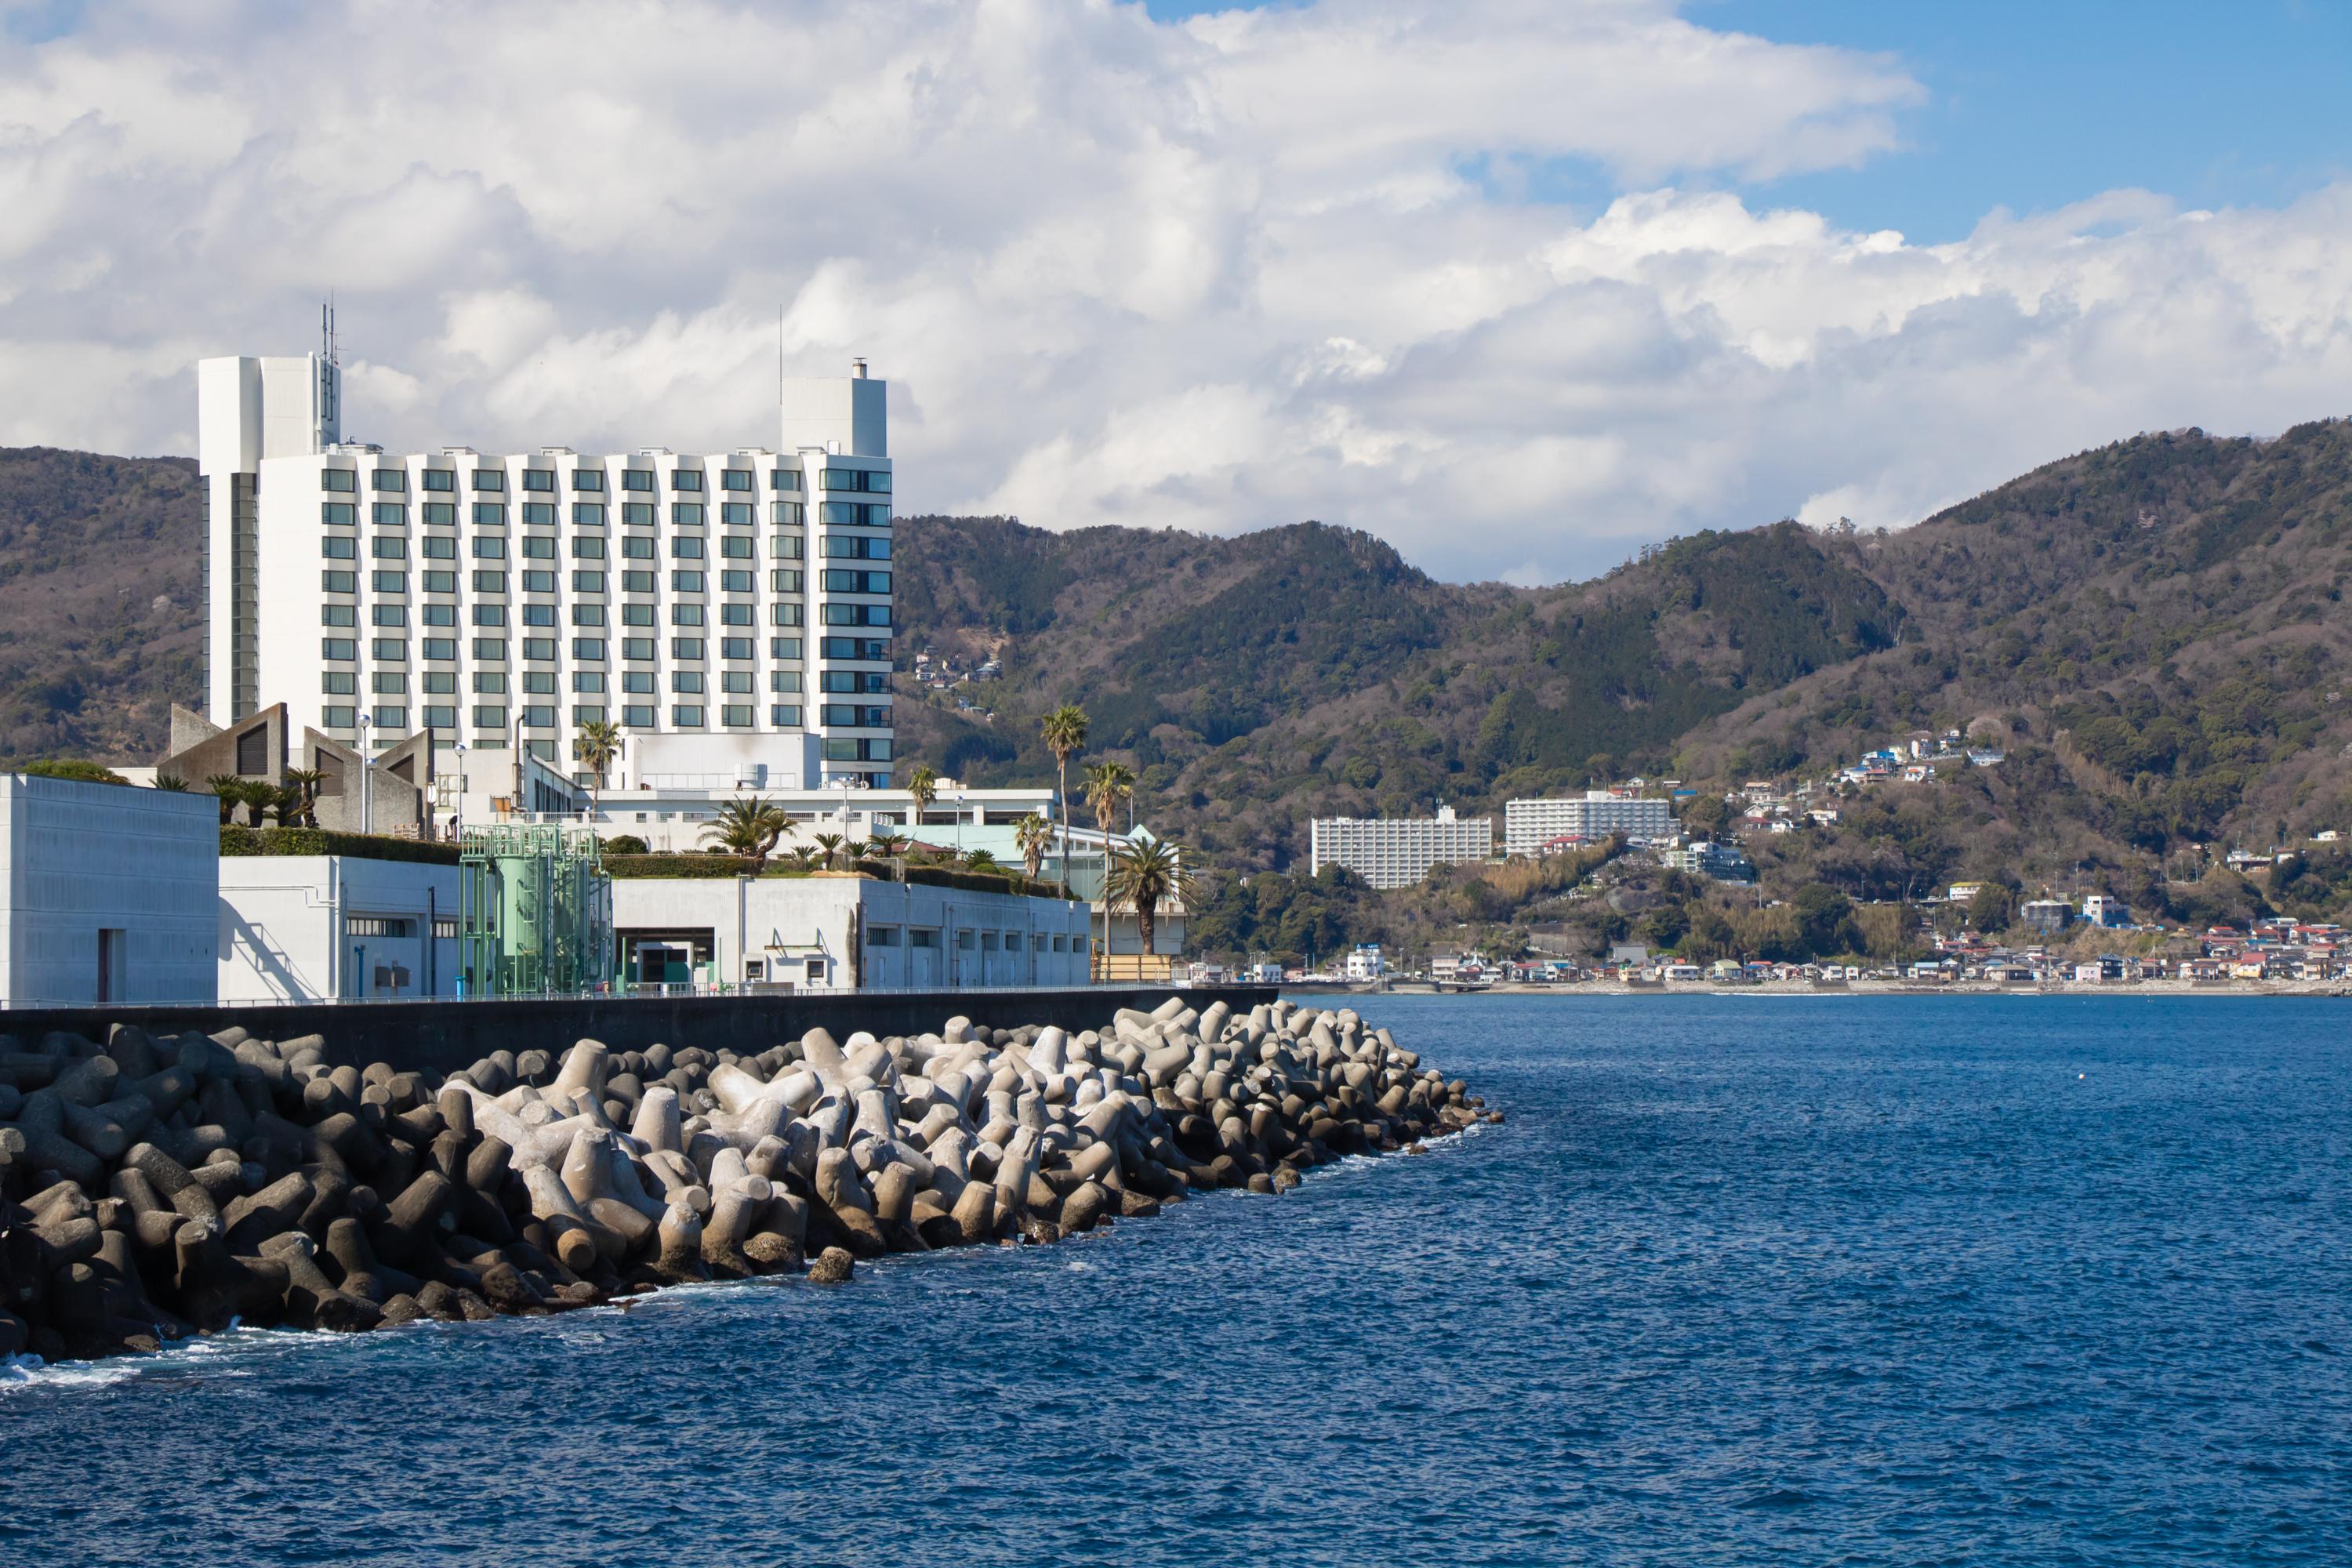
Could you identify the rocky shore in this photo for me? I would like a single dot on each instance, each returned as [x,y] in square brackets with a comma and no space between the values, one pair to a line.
[156,1187]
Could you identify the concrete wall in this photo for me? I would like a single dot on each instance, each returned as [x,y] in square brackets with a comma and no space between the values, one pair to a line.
[294,927]
[442,1036]
[80,858]
[845,931]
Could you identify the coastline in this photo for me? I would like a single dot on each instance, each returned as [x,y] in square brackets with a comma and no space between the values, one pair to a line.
[2323,988]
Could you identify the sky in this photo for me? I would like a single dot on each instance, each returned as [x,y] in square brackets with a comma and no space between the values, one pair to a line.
[1516,285]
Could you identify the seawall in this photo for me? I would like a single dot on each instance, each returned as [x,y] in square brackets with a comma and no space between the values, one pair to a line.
[441,1036]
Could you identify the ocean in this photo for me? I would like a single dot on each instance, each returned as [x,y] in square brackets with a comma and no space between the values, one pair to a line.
[1814,1280]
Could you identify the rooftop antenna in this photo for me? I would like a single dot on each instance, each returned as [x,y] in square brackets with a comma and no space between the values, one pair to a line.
[779,356]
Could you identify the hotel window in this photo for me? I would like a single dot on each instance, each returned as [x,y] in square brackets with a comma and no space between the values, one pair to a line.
[687,479]
[338,547]
[588,647]
[587,614]
[385,615]
[587,549]
[685,548]
[637,683]
[785,480]
[581,715]
[590,682]
[539,479]
[440,479]
[539,716]
[337,513]
[786,513]
[852,479]
[388,481]
[588,480]
[338,717]
[489,614]
[438,614]
[686,581]
[389,683]
[491,583]
[388,581]
[686,614]
[687,682]
[738,514]
[785,680]
[737,615]
[440,683]
[537,514]
[440,514]
[687,716]
[784,715]
[736,715]
[389,513]
[783,615]
[486,718]
[686,514]
[538,547]
[440,716]
[685,648]
[735,682]
[539,647]
[445,649]
[491,480]
[389,719]
[636,717]
[490,683]
[857,547]
[539,615]
[636,615]
[339,581]
[438,547]
[339,683]
[538,682]
[588,515]
[783,580]
[638,583]
[735,547]
[735,479]
[637,648]
[852,615]
[341,481]
[783,647]
[636,479]
[490,650]
[637,547]
[539,582]
[489,514]
[490,549]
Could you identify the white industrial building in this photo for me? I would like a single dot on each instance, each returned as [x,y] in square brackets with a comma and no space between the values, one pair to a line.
[731,612]
[107,893]
[315,928]
[1529,825]
[1398,852]
[844,933]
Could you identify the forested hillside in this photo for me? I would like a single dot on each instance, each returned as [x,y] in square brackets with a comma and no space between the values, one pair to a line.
[2154,631]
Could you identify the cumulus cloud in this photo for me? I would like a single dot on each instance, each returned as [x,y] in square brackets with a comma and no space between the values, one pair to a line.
[1242,271]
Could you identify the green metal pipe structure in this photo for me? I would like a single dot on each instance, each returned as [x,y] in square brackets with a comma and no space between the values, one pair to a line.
[536,910]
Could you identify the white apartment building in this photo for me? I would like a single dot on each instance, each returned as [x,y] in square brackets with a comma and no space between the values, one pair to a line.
[1398,852]
[1529,825]
[731,612]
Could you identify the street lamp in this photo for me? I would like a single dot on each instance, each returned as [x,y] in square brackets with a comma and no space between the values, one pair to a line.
[461,790]
[366,816]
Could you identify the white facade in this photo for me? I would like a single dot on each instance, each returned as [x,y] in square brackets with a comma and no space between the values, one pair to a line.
[313,928]
[1529,825]
[733,613]
[1398,852]
[1364,962]
[843,932]
[106,893]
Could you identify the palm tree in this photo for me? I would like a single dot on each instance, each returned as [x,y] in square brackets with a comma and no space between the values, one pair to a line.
[597,747]
[306,780]
[171,783]
[802,857]
[830,843]
[1064,729]
[923,783]
[886,844]
[256,795]
[853,851]
[980,860]
[1144,875]
[1106,786]
[749,827]
[1030,835]
[286,801]
[231,791]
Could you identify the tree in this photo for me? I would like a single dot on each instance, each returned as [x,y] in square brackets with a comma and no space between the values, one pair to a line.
[1106,786]
[803,857]
[889,846]
[923,783]
[171,784]
[76,769]
[980,860]
[1030,835]
[256,795]
[1144,875]
[624,844]
[306,782]
[1065,731]
[829,845]
[286,801]
[230,789]
[1826,921]
[749,827]
[597,747]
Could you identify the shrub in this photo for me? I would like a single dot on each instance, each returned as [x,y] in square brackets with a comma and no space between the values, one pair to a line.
[237,842]
[624,844]
[696,865]
[74,768]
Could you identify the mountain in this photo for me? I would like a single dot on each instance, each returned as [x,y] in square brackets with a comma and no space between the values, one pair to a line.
[2154,632]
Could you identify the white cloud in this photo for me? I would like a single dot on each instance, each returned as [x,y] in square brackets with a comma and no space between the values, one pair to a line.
[1253,268]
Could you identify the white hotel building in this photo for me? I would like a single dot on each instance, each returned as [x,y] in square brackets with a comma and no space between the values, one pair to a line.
[732,613]
[1529,825]
[1398,852]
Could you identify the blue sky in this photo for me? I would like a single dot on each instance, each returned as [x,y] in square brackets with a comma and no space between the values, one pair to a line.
[2033,105]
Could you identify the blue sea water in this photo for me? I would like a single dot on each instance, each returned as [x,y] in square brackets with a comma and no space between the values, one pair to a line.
[1970,1280]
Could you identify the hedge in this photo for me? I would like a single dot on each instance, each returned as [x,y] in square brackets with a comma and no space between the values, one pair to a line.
[627,866]
[676,866]
[245,841]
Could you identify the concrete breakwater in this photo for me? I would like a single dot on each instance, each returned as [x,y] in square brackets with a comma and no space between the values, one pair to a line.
[154,1187]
